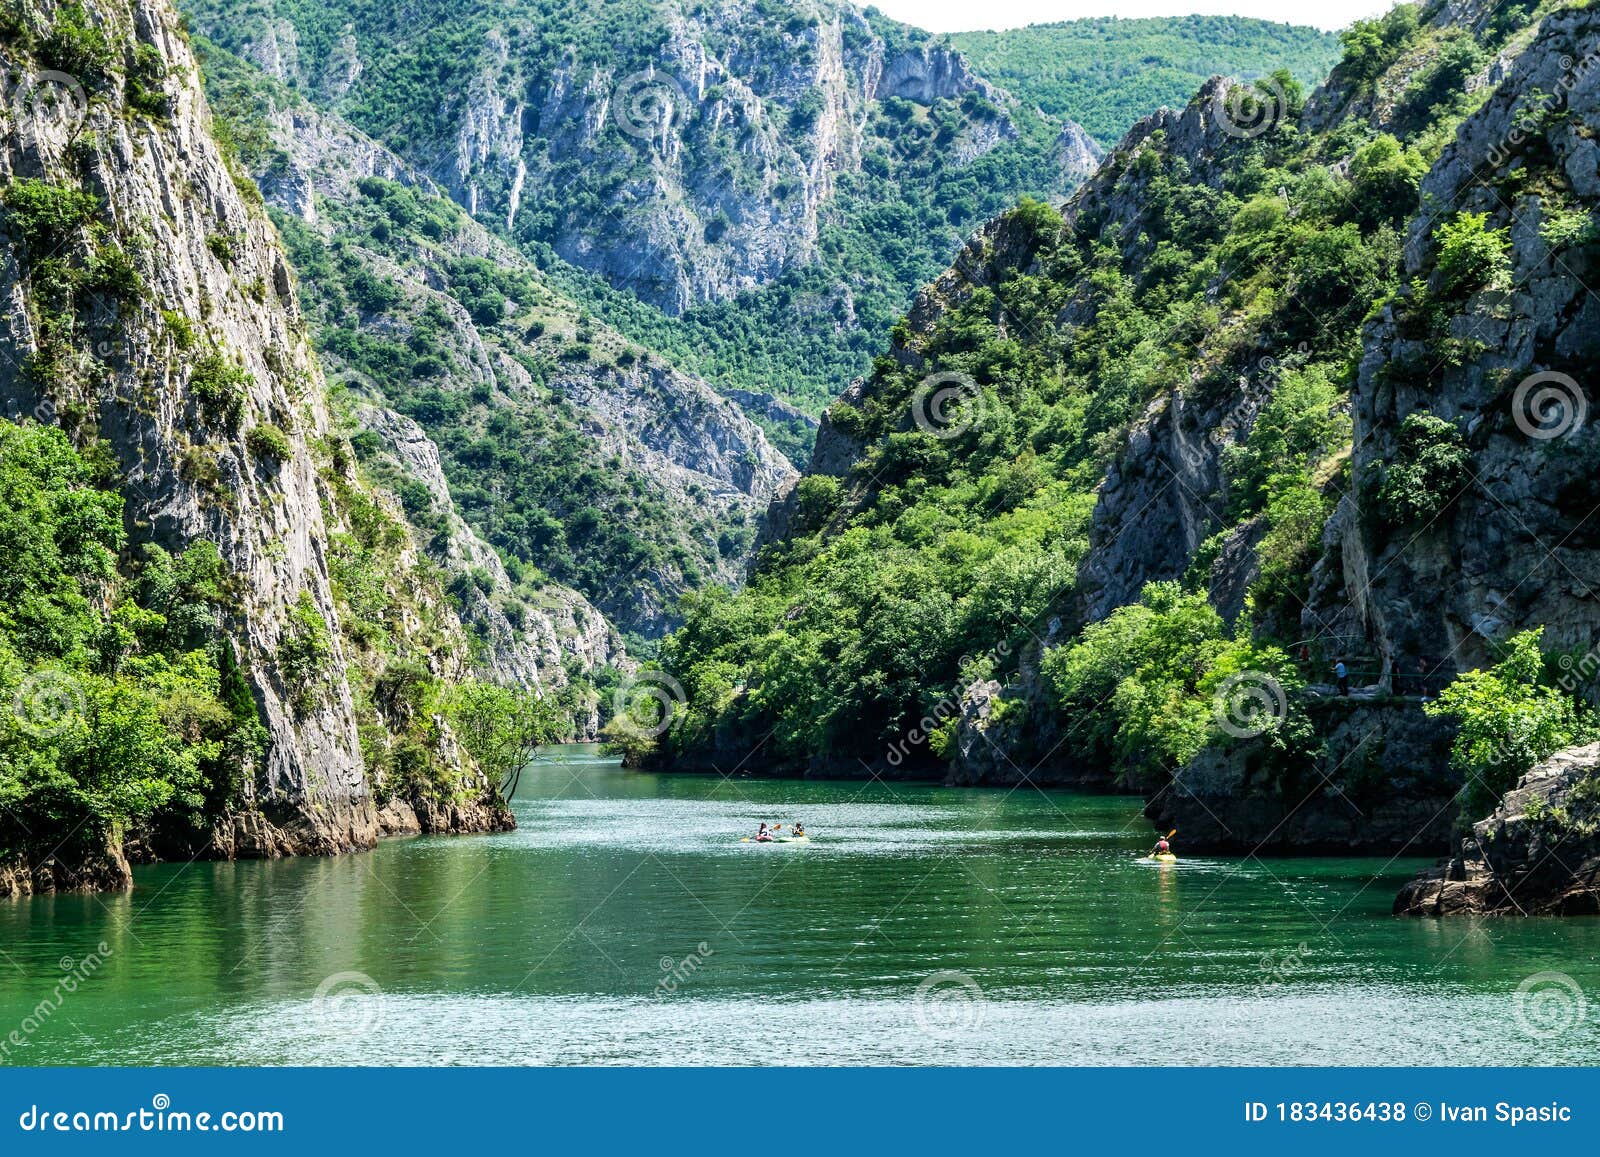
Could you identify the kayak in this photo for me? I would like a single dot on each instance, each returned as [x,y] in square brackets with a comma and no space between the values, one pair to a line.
[1163,857]
[777,840]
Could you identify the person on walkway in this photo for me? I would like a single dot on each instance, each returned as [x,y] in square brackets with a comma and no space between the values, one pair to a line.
[1342,674]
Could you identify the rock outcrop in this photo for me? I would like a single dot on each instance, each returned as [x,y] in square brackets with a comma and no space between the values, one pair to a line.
[1077,154]
[558,633]
[1538,854]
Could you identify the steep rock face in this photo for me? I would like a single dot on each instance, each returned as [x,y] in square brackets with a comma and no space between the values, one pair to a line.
[562,631]
[166,183]
[1161,497]
[1077,154]
[693,451]
[203,252]
[1539,853]
[1507,366]
[1158,502]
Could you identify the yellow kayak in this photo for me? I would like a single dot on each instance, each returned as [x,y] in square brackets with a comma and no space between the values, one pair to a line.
[1163,857]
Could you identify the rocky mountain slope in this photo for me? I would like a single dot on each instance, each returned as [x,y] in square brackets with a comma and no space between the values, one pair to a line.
[753,189]
[1164,424]
[151,314]
[569,448]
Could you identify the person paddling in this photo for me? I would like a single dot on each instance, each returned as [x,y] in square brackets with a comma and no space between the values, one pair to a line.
[763,836]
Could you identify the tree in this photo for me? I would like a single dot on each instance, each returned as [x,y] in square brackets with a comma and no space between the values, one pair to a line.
[502,728]
[1509,718]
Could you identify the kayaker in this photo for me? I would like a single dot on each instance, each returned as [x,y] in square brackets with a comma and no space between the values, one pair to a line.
[763,835]
[1162,847]
[799,829]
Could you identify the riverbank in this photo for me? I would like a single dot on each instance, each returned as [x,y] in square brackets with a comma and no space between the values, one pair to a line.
[106,865]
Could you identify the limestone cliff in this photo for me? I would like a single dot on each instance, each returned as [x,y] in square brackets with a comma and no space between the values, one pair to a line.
[180,366]
[539,360]
[1507,364]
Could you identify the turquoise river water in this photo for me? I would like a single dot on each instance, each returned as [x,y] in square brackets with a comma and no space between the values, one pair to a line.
[625,923]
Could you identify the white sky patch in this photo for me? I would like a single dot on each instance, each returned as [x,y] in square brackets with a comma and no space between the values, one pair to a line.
[963,16]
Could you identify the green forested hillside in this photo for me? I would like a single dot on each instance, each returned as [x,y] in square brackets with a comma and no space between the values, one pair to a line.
[1212,272]
[1106,73]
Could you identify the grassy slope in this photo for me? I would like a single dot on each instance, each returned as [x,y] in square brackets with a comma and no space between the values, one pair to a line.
[1107,72]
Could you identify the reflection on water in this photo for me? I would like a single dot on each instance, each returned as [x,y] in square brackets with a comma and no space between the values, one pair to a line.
[625,922]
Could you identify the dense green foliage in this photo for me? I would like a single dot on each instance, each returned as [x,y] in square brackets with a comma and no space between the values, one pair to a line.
[503,728]
[124,706]
[1153,683]
[1509,718]
[1105,73]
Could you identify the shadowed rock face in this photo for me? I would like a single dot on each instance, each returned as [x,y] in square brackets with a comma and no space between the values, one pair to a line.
[1538,854]
[1379,785]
